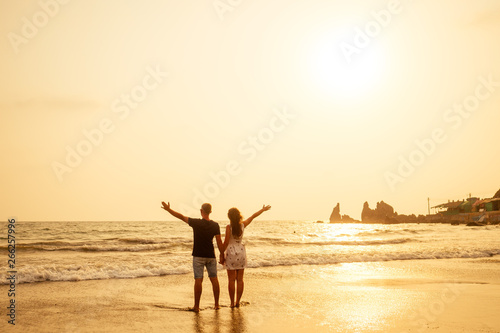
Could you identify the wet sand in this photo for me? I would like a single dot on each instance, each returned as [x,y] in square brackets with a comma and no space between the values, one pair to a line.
[455,295]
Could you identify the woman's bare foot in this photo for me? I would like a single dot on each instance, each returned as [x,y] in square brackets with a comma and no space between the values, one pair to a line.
[237,305]
[232,305]
[194,310]
[217,307]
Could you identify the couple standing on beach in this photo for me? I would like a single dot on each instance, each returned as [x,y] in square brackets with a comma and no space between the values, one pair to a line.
[232,251]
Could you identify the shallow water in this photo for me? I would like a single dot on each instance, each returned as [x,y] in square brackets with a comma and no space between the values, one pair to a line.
[72,251]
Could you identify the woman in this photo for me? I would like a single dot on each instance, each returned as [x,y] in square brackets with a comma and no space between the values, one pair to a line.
[235,258]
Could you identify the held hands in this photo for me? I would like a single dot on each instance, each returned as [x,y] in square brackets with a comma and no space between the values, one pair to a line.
[222,259]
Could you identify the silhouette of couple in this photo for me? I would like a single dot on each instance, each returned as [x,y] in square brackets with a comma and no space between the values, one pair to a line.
[232,251]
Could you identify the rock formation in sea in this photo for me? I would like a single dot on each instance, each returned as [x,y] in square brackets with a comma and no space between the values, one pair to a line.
[348,219]
[384,213]
[335,216]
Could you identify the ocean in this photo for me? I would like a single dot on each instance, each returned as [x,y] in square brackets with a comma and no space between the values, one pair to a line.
[75,251]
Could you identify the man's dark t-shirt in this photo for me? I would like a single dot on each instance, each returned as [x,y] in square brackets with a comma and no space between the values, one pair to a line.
[204,232]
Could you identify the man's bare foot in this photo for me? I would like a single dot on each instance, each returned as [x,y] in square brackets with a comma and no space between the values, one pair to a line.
[232,305]
[194,310]
[237,305]
[217,307]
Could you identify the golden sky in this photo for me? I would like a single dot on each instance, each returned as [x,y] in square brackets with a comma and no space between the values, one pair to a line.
[110,107]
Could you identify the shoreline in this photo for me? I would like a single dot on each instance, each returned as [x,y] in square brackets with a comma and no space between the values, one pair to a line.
[445,295]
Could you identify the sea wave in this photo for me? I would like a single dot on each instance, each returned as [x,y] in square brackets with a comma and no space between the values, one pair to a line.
[44,273]
[115,245]
[308,241]
[149,244]
[182,264]
[379,232]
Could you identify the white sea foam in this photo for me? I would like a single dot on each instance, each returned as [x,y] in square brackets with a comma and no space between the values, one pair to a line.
[31,274]
[118,250]
[182,265]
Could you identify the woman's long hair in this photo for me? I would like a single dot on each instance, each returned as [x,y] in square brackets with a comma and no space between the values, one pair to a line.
[235,219]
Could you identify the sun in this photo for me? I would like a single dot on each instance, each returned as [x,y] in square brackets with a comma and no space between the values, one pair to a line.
[332,73]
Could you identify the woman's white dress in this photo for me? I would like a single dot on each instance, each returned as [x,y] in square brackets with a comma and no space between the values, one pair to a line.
[236,256]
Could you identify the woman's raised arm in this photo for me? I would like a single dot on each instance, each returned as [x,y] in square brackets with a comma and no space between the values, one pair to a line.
[250,219]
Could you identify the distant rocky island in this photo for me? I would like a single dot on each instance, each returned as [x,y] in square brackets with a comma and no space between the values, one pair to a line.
[470,211]
[383,213]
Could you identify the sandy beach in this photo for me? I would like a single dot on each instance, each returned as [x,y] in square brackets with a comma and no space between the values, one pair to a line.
[451,295]
[345,153]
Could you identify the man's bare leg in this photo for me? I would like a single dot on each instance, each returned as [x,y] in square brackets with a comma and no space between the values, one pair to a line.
[216,290]
[198,287]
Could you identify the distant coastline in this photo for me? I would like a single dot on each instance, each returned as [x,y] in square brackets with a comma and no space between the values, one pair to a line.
[471,211]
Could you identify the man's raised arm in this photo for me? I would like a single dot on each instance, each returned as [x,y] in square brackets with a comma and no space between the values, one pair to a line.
[173,212]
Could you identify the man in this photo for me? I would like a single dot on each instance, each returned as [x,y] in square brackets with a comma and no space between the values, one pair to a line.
[204,231]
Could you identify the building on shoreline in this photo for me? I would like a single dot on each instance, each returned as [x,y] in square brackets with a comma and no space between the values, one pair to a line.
[470,210]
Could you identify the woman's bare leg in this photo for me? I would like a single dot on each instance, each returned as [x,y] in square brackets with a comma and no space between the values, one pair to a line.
[231,275]
[240,286]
